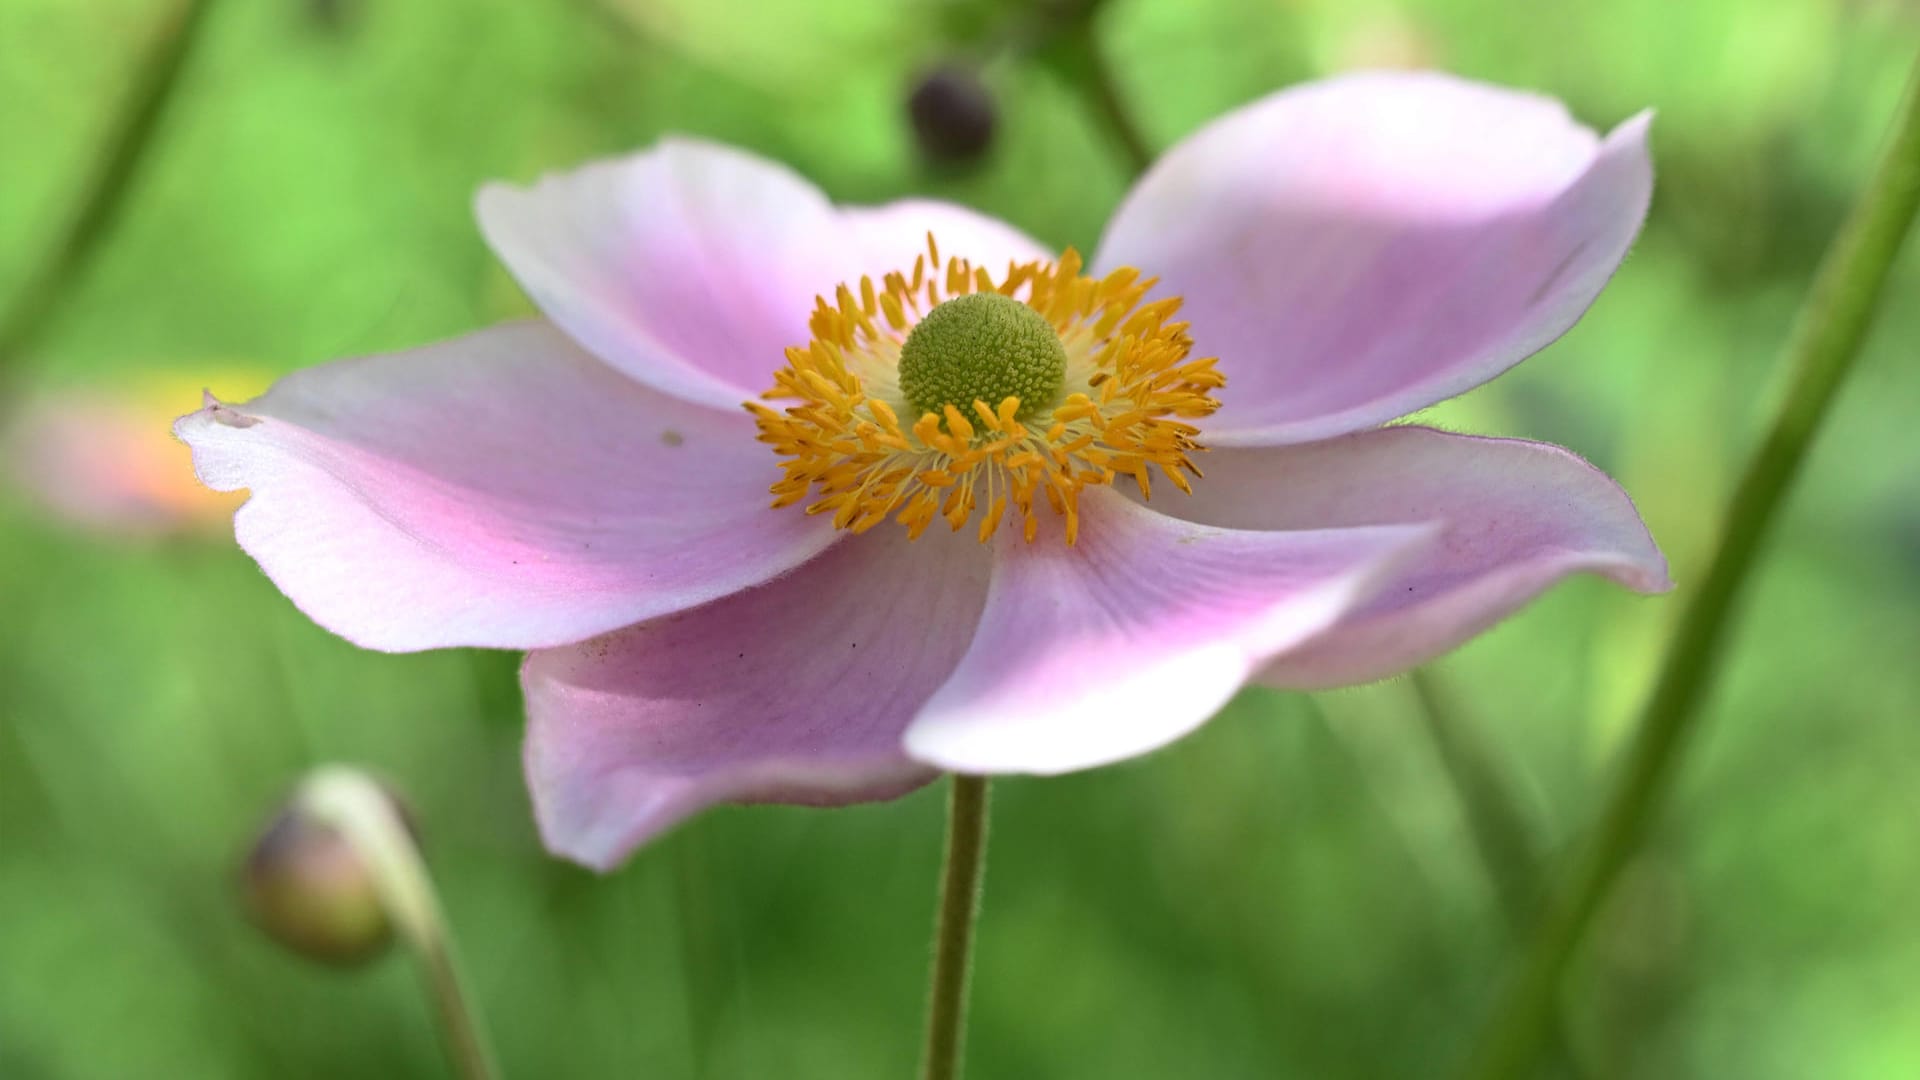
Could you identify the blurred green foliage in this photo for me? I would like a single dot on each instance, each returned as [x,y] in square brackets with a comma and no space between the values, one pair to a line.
[1290,893]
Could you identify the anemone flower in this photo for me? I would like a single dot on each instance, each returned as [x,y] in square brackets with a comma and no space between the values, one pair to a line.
[797,502]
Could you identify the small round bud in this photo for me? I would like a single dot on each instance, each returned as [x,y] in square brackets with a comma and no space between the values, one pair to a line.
[982,347]
[308,888]
[953,116]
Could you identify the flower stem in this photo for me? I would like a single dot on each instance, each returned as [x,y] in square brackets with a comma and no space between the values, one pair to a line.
[352,803]
[1821,352]
[111,178]
[953,930]
[1066,39]
[1102,93]
[1503,837]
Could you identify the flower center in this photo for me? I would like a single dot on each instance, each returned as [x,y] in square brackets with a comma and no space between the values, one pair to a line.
[982,347]
[947,394]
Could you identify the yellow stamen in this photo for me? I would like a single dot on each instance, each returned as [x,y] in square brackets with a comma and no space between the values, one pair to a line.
[1128,390]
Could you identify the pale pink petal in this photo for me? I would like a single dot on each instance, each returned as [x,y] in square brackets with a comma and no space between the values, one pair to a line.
[503,489]
[1357,249]
[1137,634]
[1517,516]
[692,266]
[796,691]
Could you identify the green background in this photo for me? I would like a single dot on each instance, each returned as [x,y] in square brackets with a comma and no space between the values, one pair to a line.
[1292,892]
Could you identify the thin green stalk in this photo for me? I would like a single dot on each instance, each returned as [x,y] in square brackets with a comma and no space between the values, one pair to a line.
[1094,78]
[352,803]
[953,929]
[1064,36]
[112,176]
[1503,839]
[1820,353]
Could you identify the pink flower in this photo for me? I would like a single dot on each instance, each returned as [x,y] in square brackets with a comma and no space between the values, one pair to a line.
[589,488]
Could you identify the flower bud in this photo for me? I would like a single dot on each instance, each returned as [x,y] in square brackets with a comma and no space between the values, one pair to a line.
[308,887]
[953,116]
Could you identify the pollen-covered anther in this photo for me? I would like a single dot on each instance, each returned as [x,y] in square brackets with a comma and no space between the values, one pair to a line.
[947,394]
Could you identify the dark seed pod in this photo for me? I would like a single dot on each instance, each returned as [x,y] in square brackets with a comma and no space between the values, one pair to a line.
[953,116]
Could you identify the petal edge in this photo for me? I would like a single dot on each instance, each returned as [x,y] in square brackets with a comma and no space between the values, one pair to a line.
[500,490]
[793,692]
[1358,249]
[1136,636]
[1516,516]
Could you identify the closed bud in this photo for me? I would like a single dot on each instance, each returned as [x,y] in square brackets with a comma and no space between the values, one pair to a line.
[953,116]
[309,888]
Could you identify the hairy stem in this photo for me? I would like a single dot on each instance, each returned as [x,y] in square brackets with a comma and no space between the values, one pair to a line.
[953,930]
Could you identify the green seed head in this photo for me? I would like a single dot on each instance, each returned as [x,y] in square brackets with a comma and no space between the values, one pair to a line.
[982,347]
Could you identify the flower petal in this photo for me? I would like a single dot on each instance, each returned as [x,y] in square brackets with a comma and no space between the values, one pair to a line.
[1360,248]
[1517,516]
[693,266]
[503,489]
[793,692]
[1136,635]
